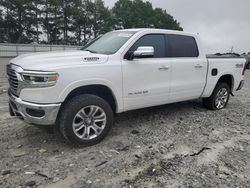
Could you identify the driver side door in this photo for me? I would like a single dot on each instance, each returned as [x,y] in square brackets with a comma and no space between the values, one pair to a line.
[146,81]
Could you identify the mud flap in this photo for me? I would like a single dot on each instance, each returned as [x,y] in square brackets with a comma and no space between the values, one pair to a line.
[11,111]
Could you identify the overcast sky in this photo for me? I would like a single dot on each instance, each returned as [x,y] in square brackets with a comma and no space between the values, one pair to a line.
[221,24]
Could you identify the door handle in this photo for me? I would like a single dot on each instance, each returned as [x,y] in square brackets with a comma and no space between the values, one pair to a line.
[198,66]
[163,68]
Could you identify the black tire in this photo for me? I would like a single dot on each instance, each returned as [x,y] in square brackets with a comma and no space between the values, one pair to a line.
[73,107]
[210,102]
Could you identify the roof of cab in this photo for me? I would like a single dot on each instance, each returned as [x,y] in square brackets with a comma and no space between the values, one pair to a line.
[158,30]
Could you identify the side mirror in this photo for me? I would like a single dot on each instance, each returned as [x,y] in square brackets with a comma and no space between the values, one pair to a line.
[141,52]
[144,51]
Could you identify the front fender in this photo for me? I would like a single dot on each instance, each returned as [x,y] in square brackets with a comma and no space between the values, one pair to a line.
[74,85]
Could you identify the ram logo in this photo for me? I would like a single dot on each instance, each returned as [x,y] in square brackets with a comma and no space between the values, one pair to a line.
[91,58]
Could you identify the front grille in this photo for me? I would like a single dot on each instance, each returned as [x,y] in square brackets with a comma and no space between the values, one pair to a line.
[12,78]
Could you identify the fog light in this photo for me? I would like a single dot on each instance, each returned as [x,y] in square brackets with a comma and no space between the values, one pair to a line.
[35,112]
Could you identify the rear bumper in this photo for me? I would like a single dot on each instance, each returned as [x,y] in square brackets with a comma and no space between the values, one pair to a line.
[240,85]
[38,114]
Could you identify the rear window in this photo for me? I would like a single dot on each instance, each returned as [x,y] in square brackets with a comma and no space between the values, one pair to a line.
[182,46]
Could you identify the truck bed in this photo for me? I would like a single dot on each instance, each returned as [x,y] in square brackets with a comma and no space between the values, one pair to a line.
[224,65]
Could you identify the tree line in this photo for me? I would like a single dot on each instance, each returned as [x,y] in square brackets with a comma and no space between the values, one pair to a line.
[75,22]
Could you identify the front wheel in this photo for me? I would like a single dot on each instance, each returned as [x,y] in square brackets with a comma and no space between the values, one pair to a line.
[219,98]
[86,120]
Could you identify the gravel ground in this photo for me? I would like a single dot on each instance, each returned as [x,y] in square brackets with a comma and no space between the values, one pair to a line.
[177,145]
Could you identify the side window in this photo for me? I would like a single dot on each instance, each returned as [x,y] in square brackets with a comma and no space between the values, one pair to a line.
[182,46]
[155,40]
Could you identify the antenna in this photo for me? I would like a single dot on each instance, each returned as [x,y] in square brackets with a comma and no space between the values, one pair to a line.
[232,49]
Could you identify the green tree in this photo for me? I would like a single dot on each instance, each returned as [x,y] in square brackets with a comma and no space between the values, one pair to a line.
[143,14]
[9,19]
[2,27]
[90,19]
[19,20]
[75,21]
[44,9]
[138,14]
[32,17]
[36,17]
[102,21]
[56,22]
[123,13]
[51,21]
[66,19]
[164,20]
[81,25]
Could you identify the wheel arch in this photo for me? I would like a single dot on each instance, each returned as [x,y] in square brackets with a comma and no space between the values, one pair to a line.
[212,82]
[228,79]
[99,90]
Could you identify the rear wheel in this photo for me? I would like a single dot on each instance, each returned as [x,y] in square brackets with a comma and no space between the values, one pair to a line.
[219,98]
[86,120]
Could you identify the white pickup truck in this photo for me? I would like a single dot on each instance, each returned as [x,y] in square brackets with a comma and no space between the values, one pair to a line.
[80,91]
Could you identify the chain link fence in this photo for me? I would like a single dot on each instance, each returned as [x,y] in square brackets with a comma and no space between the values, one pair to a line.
[13,50]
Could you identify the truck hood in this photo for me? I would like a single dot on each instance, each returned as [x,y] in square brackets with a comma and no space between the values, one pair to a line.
[51,60]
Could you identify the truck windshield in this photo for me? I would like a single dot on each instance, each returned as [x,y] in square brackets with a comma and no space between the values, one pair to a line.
[109,43]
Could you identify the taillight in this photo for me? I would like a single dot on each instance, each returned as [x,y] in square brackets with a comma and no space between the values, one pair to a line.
[244,69]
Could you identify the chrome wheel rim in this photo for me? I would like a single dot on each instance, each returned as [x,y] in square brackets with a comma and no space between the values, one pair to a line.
[221,98]
[89,122]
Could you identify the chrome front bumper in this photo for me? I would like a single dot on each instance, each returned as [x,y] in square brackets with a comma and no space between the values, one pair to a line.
[38,114]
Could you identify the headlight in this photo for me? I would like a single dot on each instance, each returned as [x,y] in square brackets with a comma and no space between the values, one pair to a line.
[39,79]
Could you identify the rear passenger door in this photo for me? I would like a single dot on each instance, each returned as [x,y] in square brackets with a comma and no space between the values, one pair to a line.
[188,68]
